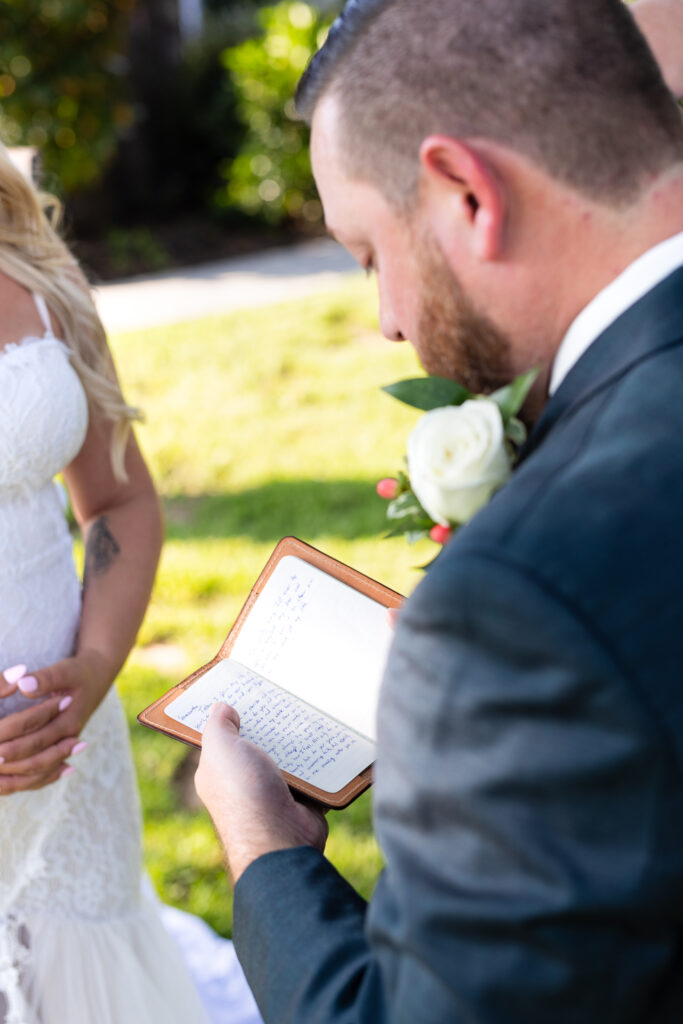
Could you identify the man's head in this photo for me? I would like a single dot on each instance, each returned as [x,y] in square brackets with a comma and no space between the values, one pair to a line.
[441,128]
[570,84]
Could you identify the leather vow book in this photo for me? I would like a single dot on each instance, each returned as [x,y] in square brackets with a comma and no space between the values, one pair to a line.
[302,664]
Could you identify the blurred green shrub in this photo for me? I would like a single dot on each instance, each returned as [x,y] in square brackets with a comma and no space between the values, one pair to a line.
[131,248]
[271,176]
[135,130]
[61,83]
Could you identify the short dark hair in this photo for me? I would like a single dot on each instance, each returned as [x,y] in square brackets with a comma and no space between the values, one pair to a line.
[570,84]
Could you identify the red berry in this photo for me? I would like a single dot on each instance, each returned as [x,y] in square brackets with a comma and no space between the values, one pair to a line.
[440,534]
[388,488]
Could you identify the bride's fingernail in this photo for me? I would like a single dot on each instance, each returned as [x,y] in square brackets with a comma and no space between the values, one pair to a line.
[79,748]
[2,760]
[28,684]
[67,771]
[64,703]
[14,674]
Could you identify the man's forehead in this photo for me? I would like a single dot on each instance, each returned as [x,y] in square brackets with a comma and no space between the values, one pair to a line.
[326,154]
[348,202]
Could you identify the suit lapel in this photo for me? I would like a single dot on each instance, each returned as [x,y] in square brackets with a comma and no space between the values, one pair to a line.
[654,323]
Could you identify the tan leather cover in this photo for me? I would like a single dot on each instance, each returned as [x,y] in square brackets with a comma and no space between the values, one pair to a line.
[155,718]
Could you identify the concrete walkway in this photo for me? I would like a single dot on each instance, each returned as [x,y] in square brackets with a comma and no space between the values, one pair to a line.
[274,275]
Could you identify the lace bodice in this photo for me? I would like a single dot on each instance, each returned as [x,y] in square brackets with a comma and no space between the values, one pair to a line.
[43,415]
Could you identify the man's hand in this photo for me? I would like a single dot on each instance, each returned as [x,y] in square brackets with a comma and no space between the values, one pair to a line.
[247,797]
[35,743]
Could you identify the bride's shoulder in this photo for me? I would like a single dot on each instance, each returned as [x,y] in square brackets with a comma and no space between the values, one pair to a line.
[20,317]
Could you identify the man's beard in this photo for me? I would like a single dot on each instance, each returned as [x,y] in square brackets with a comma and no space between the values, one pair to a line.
[453,339]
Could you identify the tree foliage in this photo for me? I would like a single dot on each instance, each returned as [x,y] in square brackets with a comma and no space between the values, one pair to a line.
[62,85]
[271,176]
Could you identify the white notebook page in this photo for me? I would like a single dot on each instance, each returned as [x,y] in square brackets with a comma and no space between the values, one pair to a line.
[320,639]
[298,738]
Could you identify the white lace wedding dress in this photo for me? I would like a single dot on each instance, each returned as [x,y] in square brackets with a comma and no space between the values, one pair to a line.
[79,942]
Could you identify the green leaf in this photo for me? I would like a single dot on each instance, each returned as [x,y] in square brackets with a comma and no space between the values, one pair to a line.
[405,505]
[415,535]
[411,525]
[511,398]
[396,531]
[403,481]
[408,516]
[428,393]
[516,431]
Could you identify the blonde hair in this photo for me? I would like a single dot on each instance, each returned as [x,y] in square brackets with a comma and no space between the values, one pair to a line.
[33,254]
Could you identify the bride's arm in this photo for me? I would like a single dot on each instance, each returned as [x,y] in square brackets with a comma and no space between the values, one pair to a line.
[122,530]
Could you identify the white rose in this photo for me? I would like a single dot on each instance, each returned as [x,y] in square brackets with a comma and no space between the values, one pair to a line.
[457,458]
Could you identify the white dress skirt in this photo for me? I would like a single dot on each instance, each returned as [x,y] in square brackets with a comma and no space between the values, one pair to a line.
[80,943]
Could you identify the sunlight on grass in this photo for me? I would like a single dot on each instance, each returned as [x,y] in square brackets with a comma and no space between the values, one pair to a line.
[259,424]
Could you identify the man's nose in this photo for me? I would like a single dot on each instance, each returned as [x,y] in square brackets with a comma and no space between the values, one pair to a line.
[388,323]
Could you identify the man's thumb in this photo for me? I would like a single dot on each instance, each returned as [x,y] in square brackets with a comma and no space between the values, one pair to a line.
[226,717]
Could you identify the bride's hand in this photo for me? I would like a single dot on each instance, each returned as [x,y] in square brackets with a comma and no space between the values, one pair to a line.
[24,724]
[35,743]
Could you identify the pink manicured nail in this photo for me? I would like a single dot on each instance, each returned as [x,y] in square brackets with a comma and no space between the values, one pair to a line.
[79,748]
[14,674]
[2,760]
[28,684]
[64,703]
[67,771]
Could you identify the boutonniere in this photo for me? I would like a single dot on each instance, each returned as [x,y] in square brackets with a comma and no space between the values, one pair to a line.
[459,453]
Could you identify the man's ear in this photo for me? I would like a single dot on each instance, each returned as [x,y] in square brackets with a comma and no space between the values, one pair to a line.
[460,185]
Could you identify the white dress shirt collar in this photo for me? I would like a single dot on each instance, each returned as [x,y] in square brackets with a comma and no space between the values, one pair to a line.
[637,280]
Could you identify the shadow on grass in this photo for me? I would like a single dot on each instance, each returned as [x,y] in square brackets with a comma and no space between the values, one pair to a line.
[348,509]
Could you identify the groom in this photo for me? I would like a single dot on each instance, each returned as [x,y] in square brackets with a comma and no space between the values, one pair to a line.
[513,172]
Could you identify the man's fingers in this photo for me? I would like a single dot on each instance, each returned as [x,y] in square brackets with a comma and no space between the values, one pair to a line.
[315,825]
[315,806]
[30,719]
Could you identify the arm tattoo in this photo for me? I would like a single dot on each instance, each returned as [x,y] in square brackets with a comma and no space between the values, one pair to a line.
[101,550]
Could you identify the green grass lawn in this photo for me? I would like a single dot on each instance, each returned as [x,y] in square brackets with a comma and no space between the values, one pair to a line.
[259,424]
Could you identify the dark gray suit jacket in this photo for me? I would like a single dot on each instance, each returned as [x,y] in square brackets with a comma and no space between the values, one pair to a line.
[529,797]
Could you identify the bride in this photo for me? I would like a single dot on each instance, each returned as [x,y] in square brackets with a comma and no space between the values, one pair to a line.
[78,941]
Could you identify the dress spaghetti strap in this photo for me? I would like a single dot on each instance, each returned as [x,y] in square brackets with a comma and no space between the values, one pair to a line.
[43,313]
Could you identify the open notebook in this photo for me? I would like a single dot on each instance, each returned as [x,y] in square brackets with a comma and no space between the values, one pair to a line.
[303,666]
